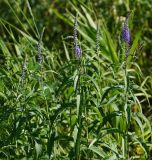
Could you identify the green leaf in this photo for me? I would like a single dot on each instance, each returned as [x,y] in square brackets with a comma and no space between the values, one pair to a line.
[78,104]
[38,149]
[50,144]
[98,151]
[3,95]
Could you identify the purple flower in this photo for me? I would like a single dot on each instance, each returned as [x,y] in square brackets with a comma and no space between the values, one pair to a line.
[78,51]
[126,34]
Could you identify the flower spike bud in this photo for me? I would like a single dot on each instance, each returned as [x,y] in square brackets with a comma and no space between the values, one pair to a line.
[126,32]
[78,51]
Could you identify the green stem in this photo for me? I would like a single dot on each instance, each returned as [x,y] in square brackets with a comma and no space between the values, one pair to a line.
[77,149]
[126,114]
[79,120]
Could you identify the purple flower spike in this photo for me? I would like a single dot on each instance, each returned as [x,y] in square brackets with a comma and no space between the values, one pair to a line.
[78,51]
[125,31]
[126,34]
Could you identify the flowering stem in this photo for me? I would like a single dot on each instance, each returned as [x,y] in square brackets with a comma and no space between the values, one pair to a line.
[126,119]
[79,118]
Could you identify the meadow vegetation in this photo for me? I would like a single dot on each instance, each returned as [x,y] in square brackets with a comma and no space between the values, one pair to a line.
[73,85]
